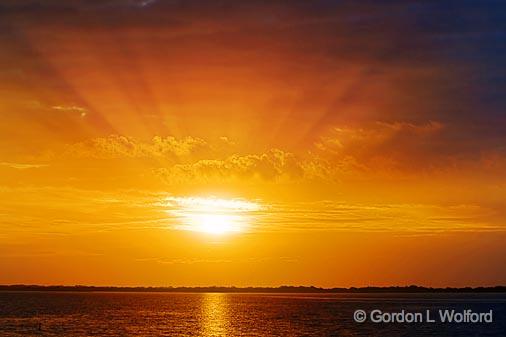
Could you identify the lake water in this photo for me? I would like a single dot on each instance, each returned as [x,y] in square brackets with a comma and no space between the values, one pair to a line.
[218,314]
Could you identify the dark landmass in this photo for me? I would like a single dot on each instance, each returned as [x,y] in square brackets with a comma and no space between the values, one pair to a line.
[282,289]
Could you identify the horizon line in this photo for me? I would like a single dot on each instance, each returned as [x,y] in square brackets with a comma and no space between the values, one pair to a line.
[235,289]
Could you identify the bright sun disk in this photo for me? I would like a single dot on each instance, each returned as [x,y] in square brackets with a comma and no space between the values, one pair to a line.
[212,215]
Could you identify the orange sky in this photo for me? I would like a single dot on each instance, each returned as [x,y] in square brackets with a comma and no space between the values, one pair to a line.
[350,144]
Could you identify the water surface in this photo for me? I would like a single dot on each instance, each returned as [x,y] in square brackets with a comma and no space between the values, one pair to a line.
[221,314]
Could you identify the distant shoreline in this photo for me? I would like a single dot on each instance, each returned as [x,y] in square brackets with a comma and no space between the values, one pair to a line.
[282,289]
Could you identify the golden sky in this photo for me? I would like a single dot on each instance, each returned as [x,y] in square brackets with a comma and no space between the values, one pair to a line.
[252,143]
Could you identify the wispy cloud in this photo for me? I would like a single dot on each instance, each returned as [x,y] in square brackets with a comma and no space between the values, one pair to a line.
[190,261]
[22,166]
[117,146]
[71,108]
[83,211]
[392,218]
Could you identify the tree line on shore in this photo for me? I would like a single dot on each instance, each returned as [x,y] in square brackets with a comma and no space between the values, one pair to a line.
[281,289]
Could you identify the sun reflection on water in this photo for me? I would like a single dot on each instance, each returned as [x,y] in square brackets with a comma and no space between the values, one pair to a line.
[215,318]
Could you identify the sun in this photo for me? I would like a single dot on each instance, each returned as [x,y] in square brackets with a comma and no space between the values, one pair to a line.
[212,215]
[214,223]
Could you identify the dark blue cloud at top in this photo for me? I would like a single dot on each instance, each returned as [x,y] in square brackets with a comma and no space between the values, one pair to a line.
[466,38]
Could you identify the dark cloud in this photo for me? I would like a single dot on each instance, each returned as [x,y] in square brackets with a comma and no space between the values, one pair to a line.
[412,61]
